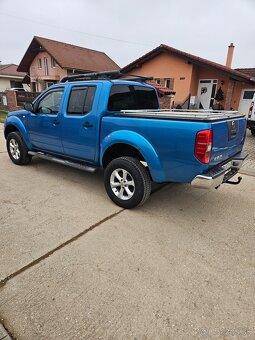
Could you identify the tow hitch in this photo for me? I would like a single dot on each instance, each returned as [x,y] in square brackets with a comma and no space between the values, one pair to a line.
[235,182]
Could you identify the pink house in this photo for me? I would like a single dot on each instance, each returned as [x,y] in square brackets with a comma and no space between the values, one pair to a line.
[48,61]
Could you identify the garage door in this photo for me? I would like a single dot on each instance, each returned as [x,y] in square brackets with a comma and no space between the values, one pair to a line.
[245,100]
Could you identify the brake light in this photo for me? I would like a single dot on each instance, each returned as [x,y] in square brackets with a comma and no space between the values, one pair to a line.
[203,145]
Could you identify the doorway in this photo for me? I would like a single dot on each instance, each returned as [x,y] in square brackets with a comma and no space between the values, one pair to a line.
[245,101]
[206,93]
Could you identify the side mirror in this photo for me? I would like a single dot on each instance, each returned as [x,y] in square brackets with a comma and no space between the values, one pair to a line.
[28,107]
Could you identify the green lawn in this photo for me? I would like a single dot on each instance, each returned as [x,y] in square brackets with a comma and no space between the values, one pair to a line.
[2,116]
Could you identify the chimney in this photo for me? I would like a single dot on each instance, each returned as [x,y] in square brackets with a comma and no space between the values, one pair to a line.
[230,55]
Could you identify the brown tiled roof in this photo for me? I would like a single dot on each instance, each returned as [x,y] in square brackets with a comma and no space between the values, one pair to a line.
[160,88]
[10,70]
[250,71]
[189,57]
[68,56]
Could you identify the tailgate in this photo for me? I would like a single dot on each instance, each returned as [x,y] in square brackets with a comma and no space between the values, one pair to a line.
[228,139]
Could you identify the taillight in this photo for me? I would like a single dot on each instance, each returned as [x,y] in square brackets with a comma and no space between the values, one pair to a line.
[203,145]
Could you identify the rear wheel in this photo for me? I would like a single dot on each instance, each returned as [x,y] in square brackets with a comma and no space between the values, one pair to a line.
[127,182]
[17,149]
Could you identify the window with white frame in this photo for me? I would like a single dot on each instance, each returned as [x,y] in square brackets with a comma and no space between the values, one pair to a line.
[53,62]
[39,63]
[169,83]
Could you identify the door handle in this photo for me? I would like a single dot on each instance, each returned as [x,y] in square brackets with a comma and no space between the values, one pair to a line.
[87,125]
[55,122]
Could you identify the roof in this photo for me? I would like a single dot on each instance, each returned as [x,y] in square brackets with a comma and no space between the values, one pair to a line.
[160,88]
[67,56]
[235,74]
[249,71]
[10,70]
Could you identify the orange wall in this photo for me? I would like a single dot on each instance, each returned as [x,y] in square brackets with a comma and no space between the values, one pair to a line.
[169,66]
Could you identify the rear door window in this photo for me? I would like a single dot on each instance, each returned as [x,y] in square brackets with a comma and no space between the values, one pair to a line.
[132,97]
[81,100]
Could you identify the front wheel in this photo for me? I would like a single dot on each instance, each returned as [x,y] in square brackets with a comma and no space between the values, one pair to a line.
[17,149]
[127,182]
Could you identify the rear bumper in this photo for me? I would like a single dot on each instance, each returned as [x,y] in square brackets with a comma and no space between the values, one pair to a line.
[220,173]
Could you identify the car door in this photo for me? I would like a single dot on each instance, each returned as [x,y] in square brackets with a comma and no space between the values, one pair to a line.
[44,123]
[80,123]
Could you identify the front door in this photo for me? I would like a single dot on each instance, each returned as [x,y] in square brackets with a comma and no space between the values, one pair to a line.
[44,125]
[206,93]
[80,124]
[245,101]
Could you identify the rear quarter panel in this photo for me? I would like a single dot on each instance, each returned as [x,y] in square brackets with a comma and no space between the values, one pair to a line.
[173,142]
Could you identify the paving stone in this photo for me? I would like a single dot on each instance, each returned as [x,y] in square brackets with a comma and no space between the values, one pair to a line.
[249,147]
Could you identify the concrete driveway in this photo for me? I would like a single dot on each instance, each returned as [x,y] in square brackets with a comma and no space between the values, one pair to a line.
[75,266]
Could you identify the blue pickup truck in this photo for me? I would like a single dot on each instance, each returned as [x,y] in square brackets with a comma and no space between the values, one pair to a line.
[92,120]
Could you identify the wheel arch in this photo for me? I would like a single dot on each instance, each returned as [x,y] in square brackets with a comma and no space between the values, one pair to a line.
[128,143]
[14,124]
[119,150]
[10,128]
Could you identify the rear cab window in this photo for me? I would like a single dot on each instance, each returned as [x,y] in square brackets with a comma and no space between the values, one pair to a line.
[132,97]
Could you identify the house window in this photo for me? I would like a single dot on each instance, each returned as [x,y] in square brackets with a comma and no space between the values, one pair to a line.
[15,83]
[49,83]
[46,65]
[39,63]
[53,62]
[169,83]
[248,94]
[157,81]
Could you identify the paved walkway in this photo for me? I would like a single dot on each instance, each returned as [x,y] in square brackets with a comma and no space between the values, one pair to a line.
[249,147]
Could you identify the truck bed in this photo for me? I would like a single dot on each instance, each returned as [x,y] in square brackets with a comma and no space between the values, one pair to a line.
[175,114]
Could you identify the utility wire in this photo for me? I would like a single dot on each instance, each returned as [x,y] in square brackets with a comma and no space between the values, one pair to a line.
[76,31]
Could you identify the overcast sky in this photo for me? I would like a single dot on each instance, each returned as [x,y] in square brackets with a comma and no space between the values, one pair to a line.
[126,29]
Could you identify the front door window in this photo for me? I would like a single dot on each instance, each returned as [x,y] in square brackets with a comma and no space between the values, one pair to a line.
[50,103]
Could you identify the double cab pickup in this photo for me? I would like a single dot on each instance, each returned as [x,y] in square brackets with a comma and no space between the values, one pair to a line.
[92,121]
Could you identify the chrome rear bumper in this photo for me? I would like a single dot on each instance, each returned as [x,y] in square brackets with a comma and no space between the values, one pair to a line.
[220,173]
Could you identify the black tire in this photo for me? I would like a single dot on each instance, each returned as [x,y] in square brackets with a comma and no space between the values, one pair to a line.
[17,149]
[133,172]
[253,132]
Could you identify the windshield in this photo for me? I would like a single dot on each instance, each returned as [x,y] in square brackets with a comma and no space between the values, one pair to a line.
[132,97]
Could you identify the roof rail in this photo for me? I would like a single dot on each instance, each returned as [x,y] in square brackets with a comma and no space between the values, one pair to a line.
[93,75]
[104,75]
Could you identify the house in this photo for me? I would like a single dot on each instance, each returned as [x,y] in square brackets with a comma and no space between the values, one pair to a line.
[195,81]
[247,92]
[10,77]
[47,61]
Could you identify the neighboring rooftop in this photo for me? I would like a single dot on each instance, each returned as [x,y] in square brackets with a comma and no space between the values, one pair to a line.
[67,56]
[235,74]
[11,70]
[249,71]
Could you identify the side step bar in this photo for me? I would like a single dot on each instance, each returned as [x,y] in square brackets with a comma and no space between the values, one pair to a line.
[63,161]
